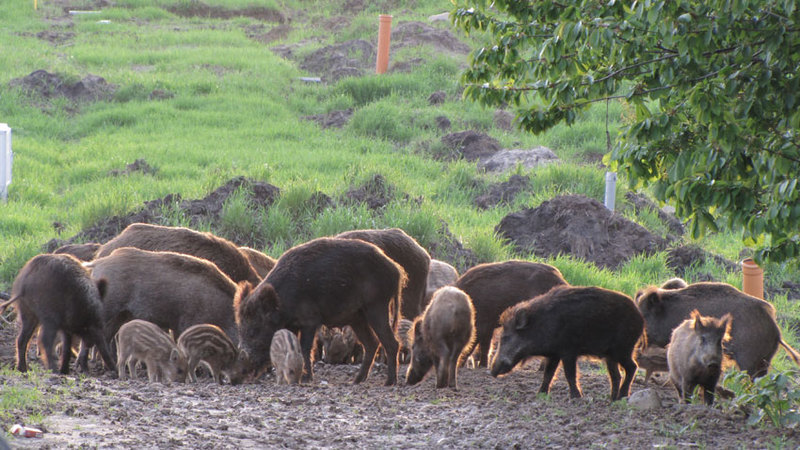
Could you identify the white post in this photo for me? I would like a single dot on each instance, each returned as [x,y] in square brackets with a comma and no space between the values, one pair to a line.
[611,189]
[5,160]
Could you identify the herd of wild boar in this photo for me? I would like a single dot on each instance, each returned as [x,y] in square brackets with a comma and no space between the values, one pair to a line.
[171,298]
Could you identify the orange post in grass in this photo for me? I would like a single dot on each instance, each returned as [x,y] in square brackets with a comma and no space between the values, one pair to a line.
[752,278]
[384,36]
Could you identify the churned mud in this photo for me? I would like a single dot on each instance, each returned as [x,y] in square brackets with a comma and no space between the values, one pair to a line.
[332,413]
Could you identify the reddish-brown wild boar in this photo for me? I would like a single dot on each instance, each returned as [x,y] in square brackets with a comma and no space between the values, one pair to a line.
[84,252]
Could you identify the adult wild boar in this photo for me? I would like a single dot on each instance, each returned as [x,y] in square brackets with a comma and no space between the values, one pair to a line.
[56,293]
[226,255]
[84,252]
[171,290]
[261,262]
[439,274]
[326,281]
[568,322]
[403,250]
[755,335]
[494,287]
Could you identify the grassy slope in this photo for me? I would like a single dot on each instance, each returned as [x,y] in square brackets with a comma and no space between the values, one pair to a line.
[236,111]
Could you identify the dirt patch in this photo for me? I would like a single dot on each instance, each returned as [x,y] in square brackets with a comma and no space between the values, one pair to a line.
[198,9]
[470,145]
[503,120]
[330,412]
[442,123]
[347,59]
[49,85]
[682,258]
[449,249]
[406,66]
[502,193]
[594,158]
[375,192]
[258,33]
[411,34]
[579,226]
[642,203]
[437,98]
[55,37]
[333,119]
[140,165]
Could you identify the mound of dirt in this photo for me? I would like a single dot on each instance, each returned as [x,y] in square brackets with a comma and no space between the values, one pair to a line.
[258,33]
[198,9]
[202,211]
[335,119]
[332,62]
[682,258]
[448,248]
[412,34]
[376,193]
[140,165]
[471,145]
[579,226]
[55,37]
[502,193]
[642,203]
[503,120]
[49,85]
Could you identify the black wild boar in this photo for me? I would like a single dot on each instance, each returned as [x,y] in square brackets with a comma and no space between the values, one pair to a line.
[57,293]
[441,336]
[261,262]
[284,352]
[84,252]
[171,290]
[403,250]
[494,287]
[568,322]
[439,274]
[227,256]
[326,281]
[139,340]
[209,344]
[694,354]
[755,335]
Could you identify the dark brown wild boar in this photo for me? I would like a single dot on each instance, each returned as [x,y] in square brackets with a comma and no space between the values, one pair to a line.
[171,290]
[139,340]
[695,354]
[209,344]
[56,293]
[568,322]
[261,262]
[755,335]
[157,238]
[403,250]
[494,287]
[333,282]
[84,252]
[441,337]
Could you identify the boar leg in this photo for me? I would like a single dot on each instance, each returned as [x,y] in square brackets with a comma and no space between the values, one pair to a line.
[46,343]
[66,352]
[483,350]
[454,354]
[370,344]
[570,365]
[23,338]
[441,365]
[94,337]
[630,373]
[307,335]
[192,367]
[613,375]
[378,319]
[549,372]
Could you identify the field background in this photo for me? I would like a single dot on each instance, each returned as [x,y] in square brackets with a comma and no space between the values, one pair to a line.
[234,108]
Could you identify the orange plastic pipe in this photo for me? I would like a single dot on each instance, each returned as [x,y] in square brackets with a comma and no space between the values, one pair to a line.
[384,36]
[752,278]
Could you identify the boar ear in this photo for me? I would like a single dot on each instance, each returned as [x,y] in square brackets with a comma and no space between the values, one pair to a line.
[521,321]
[175,355]
[697,320]
[727,321]
[650,299]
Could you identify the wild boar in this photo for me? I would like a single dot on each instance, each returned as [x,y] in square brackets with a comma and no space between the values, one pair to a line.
[209,344]
[139,340]
[494,287]
[439,274]
[284,352]
[406,252]
[755,335]
[56,293]
[261,262]
[338,345]
[695,354]
[651,358]
[441,337]
[568,322]
[326,281]
[84,252]
[219,251]
[172,290]
[674,283]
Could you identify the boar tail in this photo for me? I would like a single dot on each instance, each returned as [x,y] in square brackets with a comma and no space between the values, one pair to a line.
[8,303]
[792,352]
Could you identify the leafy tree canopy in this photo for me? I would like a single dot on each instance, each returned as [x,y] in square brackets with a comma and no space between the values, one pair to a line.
[713,86]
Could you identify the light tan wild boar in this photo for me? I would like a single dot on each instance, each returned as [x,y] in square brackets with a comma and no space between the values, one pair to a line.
[441,336]
[209,344]
[284,352]
[140,340]
[440,274]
